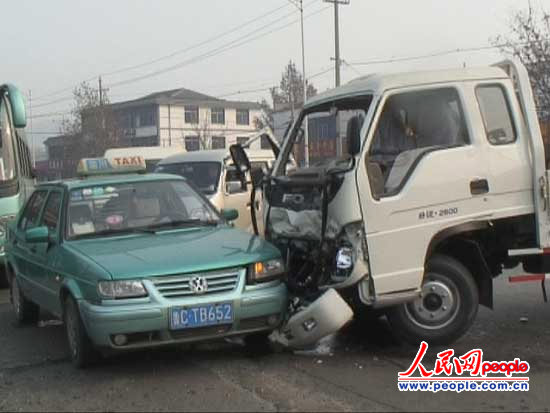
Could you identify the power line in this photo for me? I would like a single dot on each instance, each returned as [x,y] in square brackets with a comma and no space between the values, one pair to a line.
[224,48]
[426,56]
[196,45]
[175,53]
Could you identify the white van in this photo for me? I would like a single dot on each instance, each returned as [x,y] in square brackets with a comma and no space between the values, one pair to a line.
[213,173]
[151,154]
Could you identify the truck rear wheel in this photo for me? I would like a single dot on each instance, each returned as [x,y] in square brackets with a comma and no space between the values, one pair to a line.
[446,308]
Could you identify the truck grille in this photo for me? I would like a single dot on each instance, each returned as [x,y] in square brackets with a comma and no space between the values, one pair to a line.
[178,286]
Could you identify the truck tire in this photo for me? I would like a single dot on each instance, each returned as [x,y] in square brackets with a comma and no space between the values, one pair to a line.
[446,308]
[26,312]
[83,353]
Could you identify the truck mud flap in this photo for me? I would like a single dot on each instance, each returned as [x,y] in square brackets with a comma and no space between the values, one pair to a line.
[325,316]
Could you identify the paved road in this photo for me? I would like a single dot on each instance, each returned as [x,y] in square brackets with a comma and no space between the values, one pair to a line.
[35,373]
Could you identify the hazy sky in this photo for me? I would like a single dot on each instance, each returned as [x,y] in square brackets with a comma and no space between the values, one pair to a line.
[50,46]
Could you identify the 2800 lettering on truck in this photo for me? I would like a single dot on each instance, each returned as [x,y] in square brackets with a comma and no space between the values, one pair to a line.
[139,260]
[413,192]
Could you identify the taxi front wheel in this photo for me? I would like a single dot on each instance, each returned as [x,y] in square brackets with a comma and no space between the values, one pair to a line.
[26,312]
[82,350]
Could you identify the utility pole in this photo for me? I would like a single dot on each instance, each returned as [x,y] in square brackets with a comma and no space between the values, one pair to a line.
[300,5]
[100,92]
[337,60]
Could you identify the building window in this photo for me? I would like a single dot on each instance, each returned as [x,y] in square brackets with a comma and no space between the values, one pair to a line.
[218,142]
[241,140]
[192,143]
[243,117]
[145,117]
[191,114]
[264,142]
[218,116]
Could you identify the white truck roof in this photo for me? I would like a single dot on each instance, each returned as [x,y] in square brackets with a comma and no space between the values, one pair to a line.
[379,83]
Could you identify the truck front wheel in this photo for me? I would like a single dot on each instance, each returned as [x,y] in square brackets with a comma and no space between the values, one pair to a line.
[445,309]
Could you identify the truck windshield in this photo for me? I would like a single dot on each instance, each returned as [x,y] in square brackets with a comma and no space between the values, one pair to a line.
[7,162]
[328,127]
[147,206]
[204,175]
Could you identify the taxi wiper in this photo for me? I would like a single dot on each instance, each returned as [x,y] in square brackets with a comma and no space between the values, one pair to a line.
[184,222]
[104,232]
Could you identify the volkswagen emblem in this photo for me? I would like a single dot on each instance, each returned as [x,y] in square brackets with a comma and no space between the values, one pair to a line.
[198,285]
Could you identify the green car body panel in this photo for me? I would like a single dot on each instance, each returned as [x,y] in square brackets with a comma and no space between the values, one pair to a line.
[75,266]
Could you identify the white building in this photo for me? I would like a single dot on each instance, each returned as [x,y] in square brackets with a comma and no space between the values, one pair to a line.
[182,117]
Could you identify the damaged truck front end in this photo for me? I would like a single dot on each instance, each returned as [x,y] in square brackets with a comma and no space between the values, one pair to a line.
[313,215]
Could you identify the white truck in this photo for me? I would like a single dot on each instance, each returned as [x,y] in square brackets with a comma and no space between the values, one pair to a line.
[437,183]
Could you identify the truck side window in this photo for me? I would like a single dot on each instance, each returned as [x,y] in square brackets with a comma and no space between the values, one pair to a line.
[496,115]
[411,125]
[32,210]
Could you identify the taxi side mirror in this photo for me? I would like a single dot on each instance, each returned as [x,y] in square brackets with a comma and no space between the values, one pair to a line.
[37,235]
[230,214]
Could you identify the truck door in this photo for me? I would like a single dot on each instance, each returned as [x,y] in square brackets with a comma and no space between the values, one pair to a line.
[422,171]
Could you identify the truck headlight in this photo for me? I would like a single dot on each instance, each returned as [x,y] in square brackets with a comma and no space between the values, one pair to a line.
[263,271]
[121,289]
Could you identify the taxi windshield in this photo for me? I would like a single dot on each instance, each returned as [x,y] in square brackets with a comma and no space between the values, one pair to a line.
[204,175]
[128,207]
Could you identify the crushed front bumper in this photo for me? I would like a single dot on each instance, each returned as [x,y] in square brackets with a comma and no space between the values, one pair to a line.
[145,321]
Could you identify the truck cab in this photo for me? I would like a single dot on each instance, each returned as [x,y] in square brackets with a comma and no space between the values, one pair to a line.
[419,191]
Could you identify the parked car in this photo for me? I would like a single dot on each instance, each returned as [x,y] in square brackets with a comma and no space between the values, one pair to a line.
[213,173]
[139,260]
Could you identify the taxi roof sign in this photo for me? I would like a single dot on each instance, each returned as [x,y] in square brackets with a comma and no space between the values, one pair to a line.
[110,166]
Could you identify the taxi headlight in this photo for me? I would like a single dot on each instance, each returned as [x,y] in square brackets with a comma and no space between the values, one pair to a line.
[263,271]
[121,289]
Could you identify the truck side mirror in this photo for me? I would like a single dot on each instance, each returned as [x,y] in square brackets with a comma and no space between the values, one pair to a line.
[240,159]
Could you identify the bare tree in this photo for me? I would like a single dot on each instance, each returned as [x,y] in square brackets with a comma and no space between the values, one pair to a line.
[205,132]
[529,41]
[266,118]
[291,88]
[92,123]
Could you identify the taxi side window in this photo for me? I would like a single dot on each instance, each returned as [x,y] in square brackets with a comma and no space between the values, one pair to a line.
[31,214]
[50,217]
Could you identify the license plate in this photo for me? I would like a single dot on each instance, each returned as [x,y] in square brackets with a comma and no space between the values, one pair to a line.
[201,316]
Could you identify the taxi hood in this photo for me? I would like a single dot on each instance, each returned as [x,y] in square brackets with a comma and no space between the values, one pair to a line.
[175,252]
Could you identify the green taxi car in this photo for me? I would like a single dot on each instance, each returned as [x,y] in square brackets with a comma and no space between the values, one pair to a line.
[139,260]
